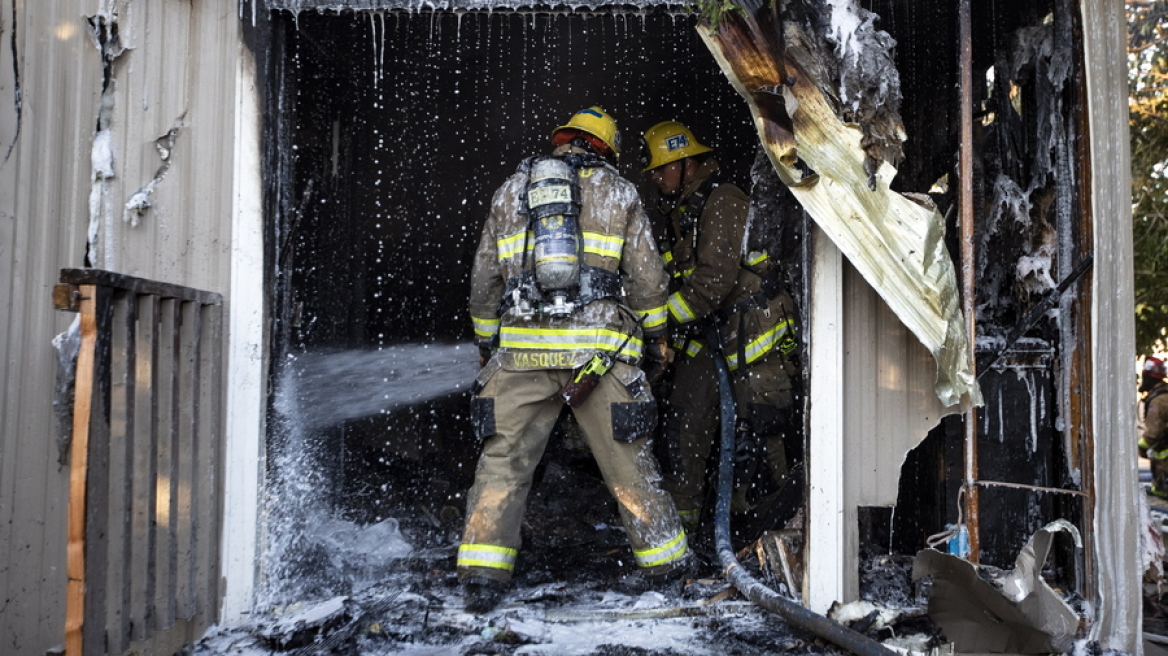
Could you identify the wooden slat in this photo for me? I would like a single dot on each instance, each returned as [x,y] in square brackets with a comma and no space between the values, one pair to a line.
[152,493]
[138,285]
[163,599]
[186,451]
[97,515]
[78,473]
[200,475]
[120,478]
[212,411]
[141,547]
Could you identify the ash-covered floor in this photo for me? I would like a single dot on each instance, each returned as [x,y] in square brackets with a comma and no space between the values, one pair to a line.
[568,597]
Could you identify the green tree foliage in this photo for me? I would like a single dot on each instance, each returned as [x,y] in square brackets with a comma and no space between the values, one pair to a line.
[1148,82]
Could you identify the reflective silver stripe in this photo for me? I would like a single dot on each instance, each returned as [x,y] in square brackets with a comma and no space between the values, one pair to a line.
[512,245]
[693,348]
[666,553]
[656,317]
[487,555]
[568,339]
[603,245]
[760,345]
[680,309]
[485,328]
[1158,455]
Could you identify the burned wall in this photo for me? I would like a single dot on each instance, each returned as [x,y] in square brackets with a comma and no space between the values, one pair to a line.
[1030,232]
[393,131]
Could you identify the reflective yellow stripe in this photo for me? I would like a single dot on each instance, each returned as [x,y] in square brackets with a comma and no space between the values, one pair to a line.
[656,317]
[603,245]
[512,245]
[487,555]
[690,516]
[1158,455]
[569,339]
[680,309]
[693,348]
[666,553]
[485,328]
[760,345]
[756,257]
[690,347]
[667,256]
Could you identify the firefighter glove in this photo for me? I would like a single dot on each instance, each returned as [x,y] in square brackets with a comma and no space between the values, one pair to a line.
[658,357]
[485,353]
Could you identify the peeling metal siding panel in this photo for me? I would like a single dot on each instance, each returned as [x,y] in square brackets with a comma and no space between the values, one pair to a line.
[184,58]
[1117,547]
[43,187]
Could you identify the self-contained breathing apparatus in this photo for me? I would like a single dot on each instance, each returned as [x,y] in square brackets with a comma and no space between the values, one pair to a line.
[558,281]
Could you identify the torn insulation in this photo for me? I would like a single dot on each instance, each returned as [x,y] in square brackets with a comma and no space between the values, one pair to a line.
[140,201]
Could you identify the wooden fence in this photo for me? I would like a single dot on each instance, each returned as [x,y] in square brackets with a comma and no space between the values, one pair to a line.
[145,497]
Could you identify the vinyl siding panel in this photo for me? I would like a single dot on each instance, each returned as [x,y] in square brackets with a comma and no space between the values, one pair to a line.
[180,68]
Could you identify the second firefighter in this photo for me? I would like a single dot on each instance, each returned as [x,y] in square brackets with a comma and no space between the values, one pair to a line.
[719,283]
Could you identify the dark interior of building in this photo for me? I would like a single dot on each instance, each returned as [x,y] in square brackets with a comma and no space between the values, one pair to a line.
[392,129]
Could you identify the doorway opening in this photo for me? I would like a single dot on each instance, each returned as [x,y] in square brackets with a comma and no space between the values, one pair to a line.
[394,129]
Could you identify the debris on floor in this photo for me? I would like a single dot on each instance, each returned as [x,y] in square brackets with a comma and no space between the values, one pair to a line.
[985,609]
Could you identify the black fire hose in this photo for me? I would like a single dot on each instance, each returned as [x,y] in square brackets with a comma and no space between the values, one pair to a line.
[749,586]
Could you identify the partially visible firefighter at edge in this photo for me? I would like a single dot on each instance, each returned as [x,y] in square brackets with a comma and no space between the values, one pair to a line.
[716,281]
[1154,441]
[566,290]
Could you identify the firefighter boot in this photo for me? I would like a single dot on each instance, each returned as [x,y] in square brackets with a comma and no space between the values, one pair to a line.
[671,583]
[480,594]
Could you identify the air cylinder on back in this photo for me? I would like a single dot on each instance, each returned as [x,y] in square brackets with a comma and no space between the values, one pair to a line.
[553,201]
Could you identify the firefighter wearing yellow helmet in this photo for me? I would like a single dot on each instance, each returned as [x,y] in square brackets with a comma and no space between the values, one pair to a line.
[596,127]
[719,279]
[566,289]
[669,141]
[1154,440]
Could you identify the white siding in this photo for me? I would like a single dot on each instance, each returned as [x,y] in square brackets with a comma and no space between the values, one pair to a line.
[1112,397]
[183,58]
[872,401]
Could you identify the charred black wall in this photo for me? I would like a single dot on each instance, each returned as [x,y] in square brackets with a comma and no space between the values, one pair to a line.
[1029,223]
[406,123]
[393,131]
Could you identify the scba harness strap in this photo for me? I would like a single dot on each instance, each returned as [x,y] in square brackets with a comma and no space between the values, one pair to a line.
[595,284]
[527,290]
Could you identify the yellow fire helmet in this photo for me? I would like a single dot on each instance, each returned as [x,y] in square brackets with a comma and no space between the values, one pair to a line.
[596,122]
[669,141]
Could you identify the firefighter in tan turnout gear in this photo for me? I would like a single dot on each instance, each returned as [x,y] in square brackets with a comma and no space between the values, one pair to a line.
[1154,441]
[716,280]
[566,290]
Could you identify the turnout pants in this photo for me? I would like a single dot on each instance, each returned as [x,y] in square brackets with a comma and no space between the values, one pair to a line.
[515,411]
[691,432]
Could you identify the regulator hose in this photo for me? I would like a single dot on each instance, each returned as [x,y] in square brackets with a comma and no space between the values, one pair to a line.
[750,587]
